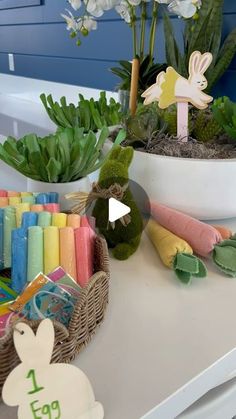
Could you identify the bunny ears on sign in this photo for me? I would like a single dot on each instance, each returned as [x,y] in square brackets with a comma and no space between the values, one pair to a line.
[199,63]
[28,344]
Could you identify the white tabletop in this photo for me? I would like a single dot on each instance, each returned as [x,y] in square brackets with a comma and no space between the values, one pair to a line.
[157,335]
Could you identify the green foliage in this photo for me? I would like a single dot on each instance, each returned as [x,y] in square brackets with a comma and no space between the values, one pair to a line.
[202,124]
[225,114]
[144,124]
[89,114]
[205,126]
[124,240]
[147,74]
[149,120]
[202,34]
[170,117]
[64,157]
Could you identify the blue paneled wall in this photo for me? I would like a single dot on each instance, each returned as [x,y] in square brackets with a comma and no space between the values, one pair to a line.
[43,49]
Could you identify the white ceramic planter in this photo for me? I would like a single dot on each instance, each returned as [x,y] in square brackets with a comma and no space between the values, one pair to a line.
[83,185]
[205,189]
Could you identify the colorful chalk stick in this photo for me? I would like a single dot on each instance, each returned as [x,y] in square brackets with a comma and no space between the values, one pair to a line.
[67,251]
[73,220]
[84,255]
[19,259]
[9,225]
[44,219]
[35,252]
[51,249]
[59,219]
[29,219]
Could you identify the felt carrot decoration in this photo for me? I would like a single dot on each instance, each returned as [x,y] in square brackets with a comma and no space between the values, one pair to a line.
[175,253]
[201,237]
[225,232]
[204,239]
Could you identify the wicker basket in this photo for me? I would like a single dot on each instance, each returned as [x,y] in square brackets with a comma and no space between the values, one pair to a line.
[88,314]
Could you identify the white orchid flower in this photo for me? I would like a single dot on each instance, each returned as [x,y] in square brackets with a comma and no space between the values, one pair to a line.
[76,4]
[123,10]
[70,21]
[93,7]
[88,23]
[184,8]
[97,7]
[109,4]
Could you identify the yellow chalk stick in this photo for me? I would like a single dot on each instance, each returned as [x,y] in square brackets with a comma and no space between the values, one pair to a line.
[59,219]
[51,249]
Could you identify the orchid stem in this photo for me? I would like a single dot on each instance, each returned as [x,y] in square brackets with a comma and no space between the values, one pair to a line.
[143,29]
[134,30]
[153,30]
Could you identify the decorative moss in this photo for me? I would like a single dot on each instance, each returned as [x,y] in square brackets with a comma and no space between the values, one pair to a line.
[124,240]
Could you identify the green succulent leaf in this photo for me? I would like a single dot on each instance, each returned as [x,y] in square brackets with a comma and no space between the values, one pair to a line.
[89,114]
[224,111]
[65,156]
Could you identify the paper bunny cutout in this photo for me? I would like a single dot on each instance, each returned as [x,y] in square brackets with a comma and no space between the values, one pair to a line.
[41,389]
[170,87]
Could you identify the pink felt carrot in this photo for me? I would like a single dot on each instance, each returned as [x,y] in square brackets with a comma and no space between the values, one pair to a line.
[225,232]
[202,237]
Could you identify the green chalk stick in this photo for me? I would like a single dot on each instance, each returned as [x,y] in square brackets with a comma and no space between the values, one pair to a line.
[9,225]
[44,219]
[28,199]
[35,252]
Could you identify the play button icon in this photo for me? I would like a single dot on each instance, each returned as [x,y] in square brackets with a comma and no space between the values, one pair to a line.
[117,210]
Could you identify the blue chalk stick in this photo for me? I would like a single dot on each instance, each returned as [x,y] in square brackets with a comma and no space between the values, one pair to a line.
[19,259]
[29,219]
[53,197]
[42,198]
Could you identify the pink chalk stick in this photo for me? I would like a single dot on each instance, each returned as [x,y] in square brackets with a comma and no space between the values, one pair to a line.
[200,236]
[84,243]
[88,221]
[52,208]
[3,193]
[67,251]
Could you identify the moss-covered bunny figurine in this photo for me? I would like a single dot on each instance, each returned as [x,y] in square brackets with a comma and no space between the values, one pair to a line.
[123,239]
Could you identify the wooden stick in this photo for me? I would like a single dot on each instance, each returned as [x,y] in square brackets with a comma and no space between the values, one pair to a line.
[182,121]
[134,86]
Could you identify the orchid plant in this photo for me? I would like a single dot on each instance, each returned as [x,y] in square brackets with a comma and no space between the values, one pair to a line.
[91,10]
[136,14]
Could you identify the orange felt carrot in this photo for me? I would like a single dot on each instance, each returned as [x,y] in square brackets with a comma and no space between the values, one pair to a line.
[225,232]
[201,237]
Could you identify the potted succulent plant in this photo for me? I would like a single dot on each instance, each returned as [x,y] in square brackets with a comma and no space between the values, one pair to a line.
[195,176]
[59,162]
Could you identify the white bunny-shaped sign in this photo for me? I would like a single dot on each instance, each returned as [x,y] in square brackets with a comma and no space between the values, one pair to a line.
[171,87]
[44,390]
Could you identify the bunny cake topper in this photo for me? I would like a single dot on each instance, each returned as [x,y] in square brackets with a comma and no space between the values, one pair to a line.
[171,87]
[44,390]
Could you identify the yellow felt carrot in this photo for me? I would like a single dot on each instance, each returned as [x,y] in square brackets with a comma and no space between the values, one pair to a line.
[175,253]
[204,239]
